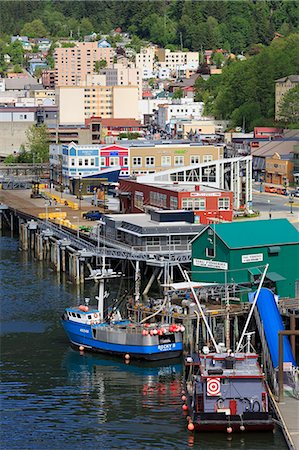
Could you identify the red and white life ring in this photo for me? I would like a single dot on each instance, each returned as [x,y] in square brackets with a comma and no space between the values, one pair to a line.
[95,315]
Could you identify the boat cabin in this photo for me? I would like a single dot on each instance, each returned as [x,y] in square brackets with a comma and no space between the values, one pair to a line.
[230,384]
[88,317]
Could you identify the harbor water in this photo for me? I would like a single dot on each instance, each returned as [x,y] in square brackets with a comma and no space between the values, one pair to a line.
[53,397]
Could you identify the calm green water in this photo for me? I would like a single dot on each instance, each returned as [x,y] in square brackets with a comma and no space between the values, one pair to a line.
[54,398]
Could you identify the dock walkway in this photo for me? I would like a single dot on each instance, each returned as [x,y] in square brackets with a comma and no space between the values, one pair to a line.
[289,411]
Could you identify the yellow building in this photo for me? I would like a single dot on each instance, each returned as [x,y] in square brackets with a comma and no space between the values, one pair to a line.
[77,103]
[157,157]
[282,86]
[279,171]
[184,127]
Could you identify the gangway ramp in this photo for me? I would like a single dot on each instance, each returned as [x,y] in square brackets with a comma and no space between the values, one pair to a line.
[272,324]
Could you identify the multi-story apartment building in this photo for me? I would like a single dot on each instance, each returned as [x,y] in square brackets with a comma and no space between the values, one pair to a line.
[282,86]
[48,78]
[77,103]
[145,61]
[175,60]
[72,64]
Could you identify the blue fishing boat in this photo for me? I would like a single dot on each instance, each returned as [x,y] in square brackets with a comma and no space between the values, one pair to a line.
[88,329]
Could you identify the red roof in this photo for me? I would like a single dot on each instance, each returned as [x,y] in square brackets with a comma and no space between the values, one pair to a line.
[188,88]
[147,94]
[120,123]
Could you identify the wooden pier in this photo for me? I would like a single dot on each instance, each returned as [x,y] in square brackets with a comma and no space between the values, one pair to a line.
[287,413]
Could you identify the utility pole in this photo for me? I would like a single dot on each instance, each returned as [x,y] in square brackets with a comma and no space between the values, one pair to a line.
[181,39]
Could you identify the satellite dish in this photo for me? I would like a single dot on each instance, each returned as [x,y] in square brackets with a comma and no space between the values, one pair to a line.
[205,350]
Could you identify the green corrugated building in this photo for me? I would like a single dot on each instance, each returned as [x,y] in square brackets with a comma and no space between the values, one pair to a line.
[237,252]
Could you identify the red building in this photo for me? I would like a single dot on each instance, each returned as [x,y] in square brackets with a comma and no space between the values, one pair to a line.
[209,204]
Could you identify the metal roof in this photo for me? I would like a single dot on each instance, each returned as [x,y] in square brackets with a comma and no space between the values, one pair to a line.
[256,233]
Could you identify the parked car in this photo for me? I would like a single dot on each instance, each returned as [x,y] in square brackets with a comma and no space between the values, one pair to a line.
[296,193]
[92,215]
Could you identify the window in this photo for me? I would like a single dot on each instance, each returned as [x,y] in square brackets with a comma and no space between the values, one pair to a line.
[72,162]
[102,161]
[114,160]
[194,159]
[153,240]
[92,161]
[223,203]
[125,161]
[173,202]
[166,160]
[86,162]
[80,162]
[138,200]
[207,158]
[187,204]
[150,161]
[137,160]
[178,160]
[158,199]
[200,204]
[210,252]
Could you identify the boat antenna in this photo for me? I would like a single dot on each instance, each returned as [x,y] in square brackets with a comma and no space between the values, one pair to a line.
[252,307]
[201,311]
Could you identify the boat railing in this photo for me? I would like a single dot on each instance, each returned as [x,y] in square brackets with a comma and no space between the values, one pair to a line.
[271,373]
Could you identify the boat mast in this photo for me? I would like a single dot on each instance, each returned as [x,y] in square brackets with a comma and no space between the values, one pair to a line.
[201,311]
[227,311]
[252,307]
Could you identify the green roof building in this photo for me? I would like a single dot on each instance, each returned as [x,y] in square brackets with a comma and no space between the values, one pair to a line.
[238,252]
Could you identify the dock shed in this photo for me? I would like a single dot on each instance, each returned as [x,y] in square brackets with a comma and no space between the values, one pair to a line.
[237,252]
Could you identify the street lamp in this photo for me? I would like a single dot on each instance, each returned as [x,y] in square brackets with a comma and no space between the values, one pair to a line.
[291,201]
[47,216]
[59,209]
[270,212]
[78,232]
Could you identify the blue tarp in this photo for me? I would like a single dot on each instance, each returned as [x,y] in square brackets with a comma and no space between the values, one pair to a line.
[272,323]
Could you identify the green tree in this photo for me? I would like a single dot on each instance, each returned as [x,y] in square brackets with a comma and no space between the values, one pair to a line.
[178,93]
[86,27]
[38,143]
[16,53]
[218,59]
[98,65]
[289,108]
[34,29]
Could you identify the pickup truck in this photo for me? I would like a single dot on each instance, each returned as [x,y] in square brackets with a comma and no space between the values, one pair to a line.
[92,215]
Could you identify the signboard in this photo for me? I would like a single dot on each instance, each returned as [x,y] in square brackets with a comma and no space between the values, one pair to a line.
[179,152]
[255,257]
[205,194]
[213,387]
[210,264]
[114,153]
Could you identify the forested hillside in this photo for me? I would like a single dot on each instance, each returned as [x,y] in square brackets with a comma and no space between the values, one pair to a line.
[245,91]
[233,25]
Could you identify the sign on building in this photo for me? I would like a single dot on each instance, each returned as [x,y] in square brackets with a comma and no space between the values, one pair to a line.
[255,257]
[210,264]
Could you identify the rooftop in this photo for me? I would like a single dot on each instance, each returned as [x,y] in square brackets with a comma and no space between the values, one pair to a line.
[258,233]
[292,78]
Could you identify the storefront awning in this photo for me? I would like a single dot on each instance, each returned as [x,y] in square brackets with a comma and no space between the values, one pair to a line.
[254,271]
[274,276]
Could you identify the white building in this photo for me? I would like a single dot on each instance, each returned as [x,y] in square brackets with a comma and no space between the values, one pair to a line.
[180,109]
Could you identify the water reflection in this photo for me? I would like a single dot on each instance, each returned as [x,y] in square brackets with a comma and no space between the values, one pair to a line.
[54,398]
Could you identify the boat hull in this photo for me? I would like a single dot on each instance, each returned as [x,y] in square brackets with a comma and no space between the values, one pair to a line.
[218,422]
[115,341]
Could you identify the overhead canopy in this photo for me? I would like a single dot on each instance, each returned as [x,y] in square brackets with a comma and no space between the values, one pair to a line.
[274,276]
[254,271]
[185,285]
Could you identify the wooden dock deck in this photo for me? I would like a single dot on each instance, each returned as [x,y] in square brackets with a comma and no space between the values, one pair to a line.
[287,412]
